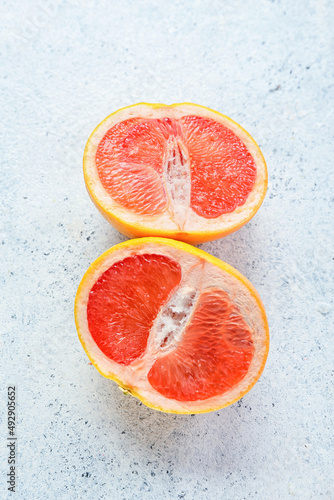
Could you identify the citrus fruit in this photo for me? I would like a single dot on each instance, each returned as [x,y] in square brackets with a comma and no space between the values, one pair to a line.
[172,325]
[181,171]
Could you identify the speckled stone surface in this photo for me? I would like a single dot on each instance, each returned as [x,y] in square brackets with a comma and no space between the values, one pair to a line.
[64,67]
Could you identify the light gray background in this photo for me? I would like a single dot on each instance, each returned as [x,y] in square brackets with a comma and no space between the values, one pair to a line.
[65,66]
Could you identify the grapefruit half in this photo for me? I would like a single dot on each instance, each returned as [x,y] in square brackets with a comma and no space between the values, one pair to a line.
[179,329]
[181,171]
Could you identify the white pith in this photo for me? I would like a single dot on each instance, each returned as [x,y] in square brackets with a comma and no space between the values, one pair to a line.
[177,182]
[167,331]
[179,216]
[197,275]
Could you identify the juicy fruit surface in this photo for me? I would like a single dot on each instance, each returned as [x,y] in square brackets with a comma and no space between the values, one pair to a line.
[151,165]
[124,302]
[211,356]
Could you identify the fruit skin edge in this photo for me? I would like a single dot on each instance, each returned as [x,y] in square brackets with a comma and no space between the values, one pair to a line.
[196,252]
[138,231]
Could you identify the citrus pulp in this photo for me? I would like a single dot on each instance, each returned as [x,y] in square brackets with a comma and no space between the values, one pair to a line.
[174,326]
[181,171]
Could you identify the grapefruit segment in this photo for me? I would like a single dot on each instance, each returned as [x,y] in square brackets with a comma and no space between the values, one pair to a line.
[213,355]
[137,187]
[128,160]
[179,329]
[124,302]
[180,171]
[223,170]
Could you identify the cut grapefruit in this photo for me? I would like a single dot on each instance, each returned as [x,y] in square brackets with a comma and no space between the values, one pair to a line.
[172,325]
[181,171]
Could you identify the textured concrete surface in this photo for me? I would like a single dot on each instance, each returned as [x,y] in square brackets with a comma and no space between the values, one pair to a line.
[64,67]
